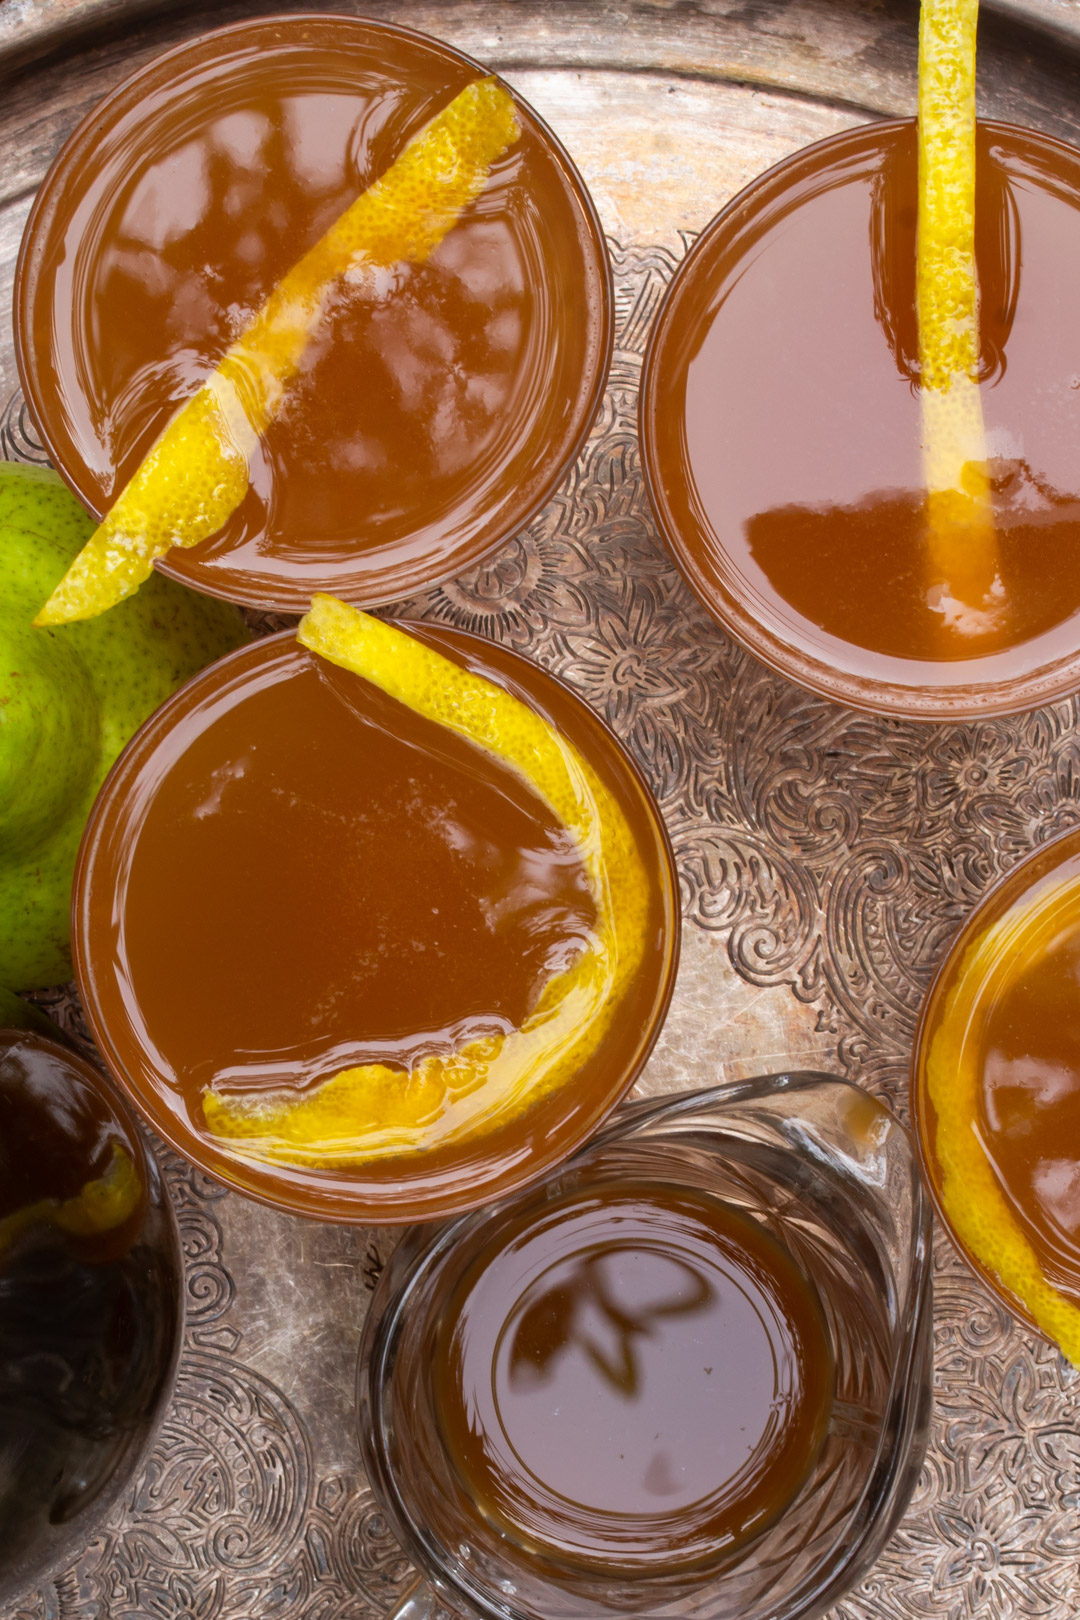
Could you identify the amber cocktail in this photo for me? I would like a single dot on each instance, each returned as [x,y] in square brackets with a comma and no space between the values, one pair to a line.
[781,427]
[637,1382]
[290,875]
[90,1304]
[996,1090]
[688,1376]
[437,404]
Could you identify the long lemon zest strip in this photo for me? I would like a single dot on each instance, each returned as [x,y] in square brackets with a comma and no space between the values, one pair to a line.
[971,1193]
[196,473]
[961,540]
[102,1204]
[374,1111]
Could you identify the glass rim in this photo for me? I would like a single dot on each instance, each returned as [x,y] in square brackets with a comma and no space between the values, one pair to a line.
[873,1515]
[157,1205]
[725,603]
[288,596]
[1009,885]
[263,1183]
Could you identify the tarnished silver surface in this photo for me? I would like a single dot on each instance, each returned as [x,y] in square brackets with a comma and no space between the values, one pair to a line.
[826,858]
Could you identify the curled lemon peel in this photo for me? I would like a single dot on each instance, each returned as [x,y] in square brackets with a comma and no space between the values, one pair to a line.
[971,1194]
[195,474]
[374,1110]
[100,1206]
[960,527]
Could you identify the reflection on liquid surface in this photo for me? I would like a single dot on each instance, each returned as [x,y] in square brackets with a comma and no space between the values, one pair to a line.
[345,882]
[868,581]
[406,385]
[295,875]
[436,400]
[640,1376]
[801,436]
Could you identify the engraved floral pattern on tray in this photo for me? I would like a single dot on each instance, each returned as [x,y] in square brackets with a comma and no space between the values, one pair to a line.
[830,852]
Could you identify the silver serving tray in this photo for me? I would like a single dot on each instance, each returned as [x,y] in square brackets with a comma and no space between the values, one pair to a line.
[826,858]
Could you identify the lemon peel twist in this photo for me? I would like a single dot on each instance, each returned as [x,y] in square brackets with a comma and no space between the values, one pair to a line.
[100,1206]
[970,1192]
[195,474]
[960,528]
[373,1111]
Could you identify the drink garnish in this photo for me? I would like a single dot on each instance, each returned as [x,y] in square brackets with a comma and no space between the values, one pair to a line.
[100,1206]
[964,582]
[195,475]
[970,1191]
[377,1110]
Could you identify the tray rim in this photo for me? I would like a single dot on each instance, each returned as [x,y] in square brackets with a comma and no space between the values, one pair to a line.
[42,28]
[60,25]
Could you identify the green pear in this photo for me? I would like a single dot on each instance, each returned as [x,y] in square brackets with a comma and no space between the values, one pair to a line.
[18,1014]
[70,697]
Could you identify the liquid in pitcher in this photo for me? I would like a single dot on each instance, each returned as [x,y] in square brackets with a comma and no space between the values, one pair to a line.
[634,1378]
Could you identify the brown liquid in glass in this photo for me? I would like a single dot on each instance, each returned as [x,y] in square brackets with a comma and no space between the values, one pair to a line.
[339,891]
[432,400]
[308,875]
[800,422]
[636,1378]
[87,1323]
[1029,1115]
